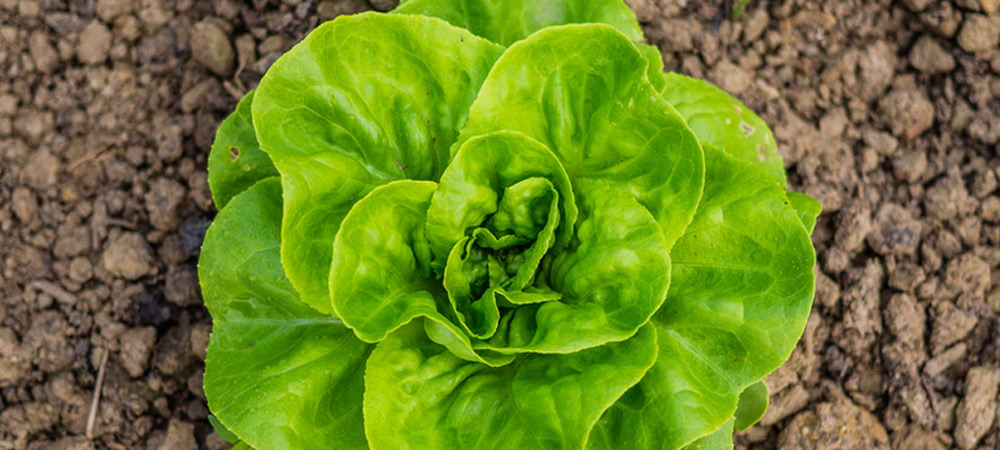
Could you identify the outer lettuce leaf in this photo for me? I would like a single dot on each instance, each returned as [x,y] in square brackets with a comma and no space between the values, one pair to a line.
[721,439]
[509,21]
[278,373]
[361,101]
[236,161]
[741,292]
[752,406]
[807,207]
[419,396]
[583,91]
[719,119]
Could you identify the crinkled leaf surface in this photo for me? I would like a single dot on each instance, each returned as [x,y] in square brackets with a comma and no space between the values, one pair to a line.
[583,92]
[278,374]
[419,396]
[740,295]
[361,101]
[718,118]
[508,21]
[236,161]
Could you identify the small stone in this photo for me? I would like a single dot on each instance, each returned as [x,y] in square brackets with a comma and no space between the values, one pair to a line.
[49,343]
[950,325]
[329,9]
[136,347]
[914,437]
[44,55]
[182,286]
[109,10]
[33,124]
[384,5]
[128,257]
[989,6]
[896,232]
[8,105]
[938,364]
[162,201]
[979,34]
[211,48]
[80,269]
[834,426]
[876,69]
[180,436]
[929,57]
[917,5]
[24,204]
[200,335]
[854,224]
[991,209]
[908,112]
[15,361]
[730,77]
[94,45]
[41,170]
[977,410]
[910,167]
[947,198]
[195,98]
[968,274]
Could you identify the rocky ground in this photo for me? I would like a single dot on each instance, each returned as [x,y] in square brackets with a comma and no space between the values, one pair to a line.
[886,111]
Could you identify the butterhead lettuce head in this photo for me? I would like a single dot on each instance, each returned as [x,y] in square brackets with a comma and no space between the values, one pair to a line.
[490,224]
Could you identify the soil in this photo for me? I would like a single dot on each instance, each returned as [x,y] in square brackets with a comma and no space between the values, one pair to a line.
[886,111]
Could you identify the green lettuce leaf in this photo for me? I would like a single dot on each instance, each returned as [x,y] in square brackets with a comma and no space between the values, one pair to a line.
[509,21]
[741,292]
[361,101]
[721,439]
[752,406]
[236,161]
[807,207]
[278,373]
[419,396]
[719,119]
[583,92]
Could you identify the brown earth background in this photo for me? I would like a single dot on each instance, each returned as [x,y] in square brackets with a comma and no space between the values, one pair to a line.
[886,111]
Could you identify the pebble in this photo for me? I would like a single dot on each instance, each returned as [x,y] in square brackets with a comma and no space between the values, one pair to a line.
[730,77]
[162,200]
[24,204]
[211,48]
[834,426]
[977,410]
[928,56]
[989,6]
[180,436]
[979,34]
[109,10]
[909,113]
[15,362]
[136,347]
[128,257]
[95,43]
[968,274]
[41,171]
[44,55]
[182,286]
[80,269]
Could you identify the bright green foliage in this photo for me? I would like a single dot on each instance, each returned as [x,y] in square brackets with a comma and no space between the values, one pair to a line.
[236,161]
[752,406]
[459,245]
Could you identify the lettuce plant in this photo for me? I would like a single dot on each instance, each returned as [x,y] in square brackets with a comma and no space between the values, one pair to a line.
[496,225]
